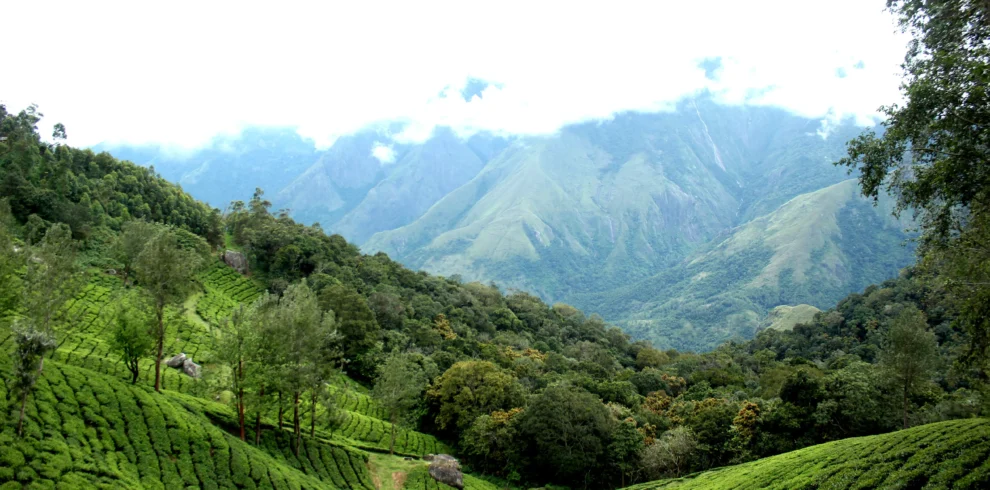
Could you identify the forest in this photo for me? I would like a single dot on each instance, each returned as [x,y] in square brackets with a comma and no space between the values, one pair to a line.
[319,362]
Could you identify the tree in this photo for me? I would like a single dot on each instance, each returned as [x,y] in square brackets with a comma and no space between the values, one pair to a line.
[31,346]
[165,270]
[910,354]
[670,455]
[130,243]
[50,280]
[933,151]
[233,350]
[301,321]
[132,338]
[470,389]
[356,324]
[10,261]
[565,432]
[399,389]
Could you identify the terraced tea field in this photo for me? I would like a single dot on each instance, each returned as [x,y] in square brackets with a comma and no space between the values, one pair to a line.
[88,427]
[943,455]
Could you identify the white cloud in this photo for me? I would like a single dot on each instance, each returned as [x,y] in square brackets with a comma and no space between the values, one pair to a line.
[383,153]
[182,72]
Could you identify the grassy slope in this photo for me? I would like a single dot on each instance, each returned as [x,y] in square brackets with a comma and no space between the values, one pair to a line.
[814,250]
[952,454]
[785,317]
[87,427]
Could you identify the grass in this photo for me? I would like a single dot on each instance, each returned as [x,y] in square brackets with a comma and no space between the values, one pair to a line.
[942,455]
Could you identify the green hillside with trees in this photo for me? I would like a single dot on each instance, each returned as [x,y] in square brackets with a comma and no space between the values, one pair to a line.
[135,358]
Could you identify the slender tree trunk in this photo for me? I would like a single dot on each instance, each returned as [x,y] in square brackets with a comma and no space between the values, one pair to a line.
[295,420]
[20,420]
[281,410]
[161,346]
[240,412]
[240,398]
[135,371]
[312,415]
[257,419]
[905,405]
[391,446]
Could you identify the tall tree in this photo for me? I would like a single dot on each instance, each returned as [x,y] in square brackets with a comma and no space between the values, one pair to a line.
[31,345]
[233,350]
[134,235]
[165,270]
[356,323]
[52,278]
[400,389]
[910,353]
[132,338]
[932,155]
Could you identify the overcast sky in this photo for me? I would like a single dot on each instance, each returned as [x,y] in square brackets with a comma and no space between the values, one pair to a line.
[180,73]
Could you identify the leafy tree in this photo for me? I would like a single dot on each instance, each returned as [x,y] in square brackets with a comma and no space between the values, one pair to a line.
[233,350]
[10,262]
[933,151]
[470,389]
[165,270]
[132,338]
[52,277]
[910,354]
[670,456]
[356,324]
[399,389]
[134,235]
[490,443]
[565,432]
[31,344]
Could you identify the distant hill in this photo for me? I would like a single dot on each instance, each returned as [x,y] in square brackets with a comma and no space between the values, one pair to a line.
[581,215]
[942,455]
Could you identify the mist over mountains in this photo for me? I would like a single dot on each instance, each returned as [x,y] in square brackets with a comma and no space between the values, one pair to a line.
[685,227]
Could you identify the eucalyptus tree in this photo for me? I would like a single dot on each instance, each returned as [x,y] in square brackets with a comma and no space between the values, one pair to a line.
[165,270]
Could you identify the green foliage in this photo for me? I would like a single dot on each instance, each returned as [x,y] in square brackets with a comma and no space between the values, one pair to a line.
[132,336]
[910,353]
[470,389]
[942,455]
[399,389]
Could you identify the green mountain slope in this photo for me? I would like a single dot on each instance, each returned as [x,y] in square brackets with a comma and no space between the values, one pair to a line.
[813,250]
[952,454]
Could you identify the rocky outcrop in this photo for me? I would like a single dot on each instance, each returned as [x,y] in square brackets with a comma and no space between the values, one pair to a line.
[236,260]
[446,469]
[190,368]
[181,361]
[176,361]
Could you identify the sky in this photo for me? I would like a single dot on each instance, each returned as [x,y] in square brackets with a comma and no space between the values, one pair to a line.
[179,73]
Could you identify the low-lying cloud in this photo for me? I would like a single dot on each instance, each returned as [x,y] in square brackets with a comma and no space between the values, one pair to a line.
[180,73]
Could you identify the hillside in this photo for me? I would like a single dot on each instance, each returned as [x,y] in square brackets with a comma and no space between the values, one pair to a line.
[813,250]
[577,216]
[943,455]
[89,428]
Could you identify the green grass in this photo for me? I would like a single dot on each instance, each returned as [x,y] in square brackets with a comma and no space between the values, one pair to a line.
[943,455]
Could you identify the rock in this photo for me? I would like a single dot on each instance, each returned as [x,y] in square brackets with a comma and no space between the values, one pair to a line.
[176,361]
[190,368]
[446,469]
[236,260]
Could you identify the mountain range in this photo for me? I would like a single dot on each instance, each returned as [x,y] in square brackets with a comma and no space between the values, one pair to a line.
[684,227]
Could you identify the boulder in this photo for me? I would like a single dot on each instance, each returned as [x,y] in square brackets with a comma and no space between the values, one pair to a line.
[446,469]
[190,368]
[236,260]
[176,361]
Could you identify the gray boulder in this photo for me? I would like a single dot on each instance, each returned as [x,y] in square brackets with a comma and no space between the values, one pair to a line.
[176,361]
[190,368]
[236,260]
[446,469]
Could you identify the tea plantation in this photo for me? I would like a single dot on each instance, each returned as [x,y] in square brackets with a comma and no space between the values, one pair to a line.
[86,426]
[954,454]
